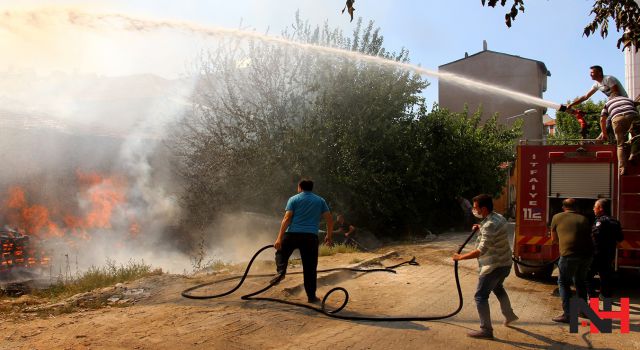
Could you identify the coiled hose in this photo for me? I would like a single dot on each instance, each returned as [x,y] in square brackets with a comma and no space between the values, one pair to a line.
[323,310]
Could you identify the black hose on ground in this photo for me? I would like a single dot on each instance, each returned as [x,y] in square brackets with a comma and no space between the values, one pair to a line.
[323,309]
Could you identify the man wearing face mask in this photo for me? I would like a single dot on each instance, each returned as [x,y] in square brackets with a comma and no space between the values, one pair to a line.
[494,259]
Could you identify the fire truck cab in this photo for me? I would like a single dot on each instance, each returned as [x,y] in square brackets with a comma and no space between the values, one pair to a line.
[586,171]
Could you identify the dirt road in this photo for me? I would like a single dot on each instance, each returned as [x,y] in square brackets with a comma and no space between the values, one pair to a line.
[165,320]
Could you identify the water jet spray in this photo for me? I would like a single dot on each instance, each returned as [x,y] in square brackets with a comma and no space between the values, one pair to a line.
[108,21]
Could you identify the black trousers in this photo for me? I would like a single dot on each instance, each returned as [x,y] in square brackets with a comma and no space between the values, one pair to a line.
[307,243]
[603,266]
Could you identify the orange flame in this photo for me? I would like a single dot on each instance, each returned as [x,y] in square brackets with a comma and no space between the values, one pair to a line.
[102,194]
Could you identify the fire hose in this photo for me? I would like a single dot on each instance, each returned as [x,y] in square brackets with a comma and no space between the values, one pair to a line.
[323,309]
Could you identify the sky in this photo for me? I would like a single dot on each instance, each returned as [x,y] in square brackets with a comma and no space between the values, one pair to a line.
[434,32]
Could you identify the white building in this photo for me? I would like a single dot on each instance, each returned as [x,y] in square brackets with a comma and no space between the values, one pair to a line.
[632,72]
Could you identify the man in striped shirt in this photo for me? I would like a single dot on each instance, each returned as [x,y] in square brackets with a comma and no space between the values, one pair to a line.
[494,259]
[624,117]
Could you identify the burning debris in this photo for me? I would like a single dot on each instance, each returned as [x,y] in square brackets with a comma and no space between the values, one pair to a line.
[19,254]
[22,262]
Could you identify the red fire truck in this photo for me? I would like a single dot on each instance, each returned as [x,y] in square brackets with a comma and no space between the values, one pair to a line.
[548,174]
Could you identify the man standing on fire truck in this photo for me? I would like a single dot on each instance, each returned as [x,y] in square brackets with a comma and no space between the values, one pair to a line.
[607,84]
[572,232]
[494,259]
[625,119]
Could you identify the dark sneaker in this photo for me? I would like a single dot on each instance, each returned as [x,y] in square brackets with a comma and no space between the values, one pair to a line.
[277,279]
[481,334]
[313,300]
[561,319]
[510,320]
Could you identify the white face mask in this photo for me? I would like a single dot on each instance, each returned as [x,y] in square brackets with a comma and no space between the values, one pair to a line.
[476,213]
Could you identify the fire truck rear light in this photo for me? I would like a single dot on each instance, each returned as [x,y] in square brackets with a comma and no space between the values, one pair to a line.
[556,155]
[604,154]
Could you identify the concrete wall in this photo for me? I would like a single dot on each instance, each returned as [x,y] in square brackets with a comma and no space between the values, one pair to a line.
[632,72]
[511,72]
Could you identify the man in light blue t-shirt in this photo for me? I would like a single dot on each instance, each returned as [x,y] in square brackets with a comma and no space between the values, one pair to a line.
[299,230]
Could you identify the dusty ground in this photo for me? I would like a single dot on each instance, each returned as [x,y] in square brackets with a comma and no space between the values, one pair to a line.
[155,316]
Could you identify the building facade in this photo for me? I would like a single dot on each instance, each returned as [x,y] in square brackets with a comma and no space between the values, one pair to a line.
[507,71]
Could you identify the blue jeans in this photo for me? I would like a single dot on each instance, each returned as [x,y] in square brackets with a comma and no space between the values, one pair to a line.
[493,282]
[573,270]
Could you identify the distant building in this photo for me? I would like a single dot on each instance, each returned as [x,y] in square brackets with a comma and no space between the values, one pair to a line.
[549,125]
[514,73]
[632,72]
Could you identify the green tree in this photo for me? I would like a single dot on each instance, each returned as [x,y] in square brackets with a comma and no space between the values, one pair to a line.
[568,128]
[625,14]
[265,115]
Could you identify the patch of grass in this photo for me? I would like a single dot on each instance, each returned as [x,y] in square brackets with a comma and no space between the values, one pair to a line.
[355,261]
[335,249]
[217,265]
[98,277]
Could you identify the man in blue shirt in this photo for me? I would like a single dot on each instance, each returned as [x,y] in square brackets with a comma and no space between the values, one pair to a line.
[299,230]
